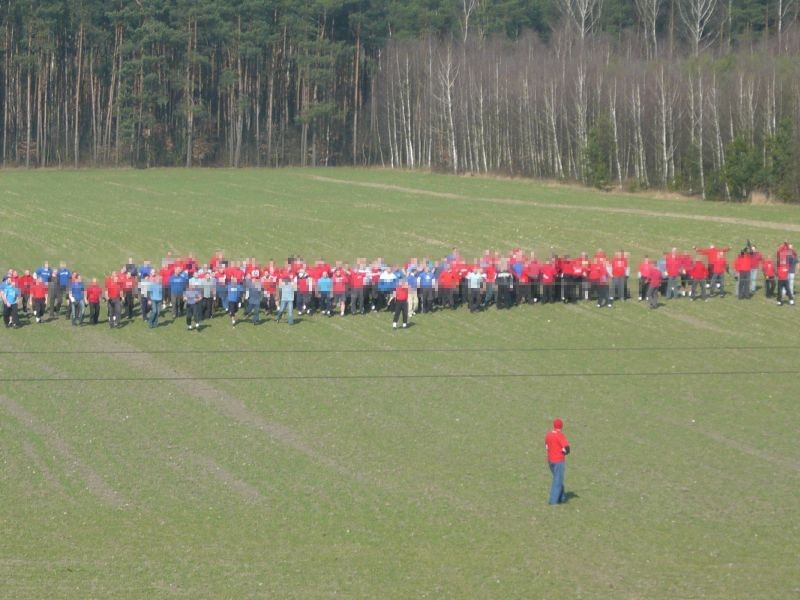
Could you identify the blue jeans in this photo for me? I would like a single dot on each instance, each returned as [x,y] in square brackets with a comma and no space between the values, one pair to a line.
[155,310]
[254,309]
[557,495]
[77,312]
[286,305]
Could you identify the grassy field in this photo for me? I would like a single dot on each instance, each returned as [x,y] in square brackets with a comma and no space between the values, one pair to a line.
[339,458]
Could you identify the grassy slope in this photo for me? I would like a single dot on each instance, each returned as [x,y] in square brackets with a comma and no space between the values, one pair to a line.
[375,485]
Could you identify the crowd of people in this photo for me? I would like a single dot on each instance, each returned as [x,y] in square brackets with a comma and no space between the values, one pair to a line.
[199,292]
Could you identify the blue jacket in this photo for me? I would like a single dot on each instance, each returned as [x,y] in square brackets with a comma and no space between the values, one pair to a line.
[177,284]
[76,290]
[44,274]
[64,276]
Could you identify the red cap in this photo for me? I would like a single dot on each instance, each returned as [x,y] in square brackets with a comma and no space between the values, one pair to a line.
[558,424]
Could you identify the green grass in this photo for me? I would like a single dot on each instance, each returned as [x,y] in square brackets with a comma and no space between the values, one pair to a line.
[409,464]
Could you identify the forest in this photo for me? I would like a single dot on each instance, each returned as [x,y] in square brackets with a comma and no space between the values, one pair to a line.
[696,96]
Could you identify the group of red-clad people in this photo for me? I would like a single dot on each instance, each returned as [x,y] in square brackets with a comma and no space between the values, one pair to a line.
[415,286]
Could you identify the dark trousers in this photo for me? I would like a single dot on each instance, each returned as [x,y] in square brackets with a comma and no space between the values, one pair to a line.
[523,292]
[208,308]
[536,294]
[548,292]
[193,312]
[177,305]
[304,299]
[783,286]
[324,301]
[642,288]
[10,316]
[38,307]
[718,283]
[143,302]
[51,301]
[603,297]
[427,299]
[448,297]
[652,296]
[503,296]
[357,300]
[128,300]
[474,295]
[400,307]
[703,291]
[769,286]
[743,286]
[114,311]
[254,309]
[58,300]
[94,312]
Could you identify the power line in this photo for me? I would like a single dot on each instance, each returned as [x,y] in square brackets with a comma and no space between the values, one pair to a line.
[390,376]
[406,350]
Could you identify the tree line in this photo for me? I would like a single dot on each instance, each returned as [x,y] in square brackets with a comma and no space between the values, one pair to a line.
[701,96]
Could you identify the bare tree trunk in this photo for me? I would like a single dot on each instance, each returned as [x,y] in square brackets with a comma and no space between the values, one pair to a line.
[612,103]
[6,92]
[356,92]
[77,139]
[447,78]
[28,105]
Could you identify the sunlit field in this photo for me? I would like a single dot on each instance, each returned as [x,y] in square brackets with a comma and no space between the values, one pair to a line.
[339,457]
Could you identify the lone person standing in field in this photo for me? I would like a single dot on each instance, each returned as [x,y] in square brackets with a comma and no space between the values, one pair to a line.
[557,446]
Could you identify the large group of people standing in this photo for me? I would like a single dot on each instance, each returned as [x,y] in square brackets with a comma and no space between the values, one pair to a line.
[246,289]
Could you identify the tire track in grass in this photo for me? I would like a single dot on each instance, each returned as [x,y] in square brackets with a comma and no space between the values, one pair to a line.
[94,482]
[235,409]
[244,490]
[640,212]
[41,467]
[733,444]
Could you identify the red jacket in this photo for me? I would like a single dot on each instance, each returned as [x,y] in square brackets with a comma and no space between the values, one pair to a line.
[699,270]
[618,267]
[673,265]
[742,264]
[783,271]
[654,277]
[548,273]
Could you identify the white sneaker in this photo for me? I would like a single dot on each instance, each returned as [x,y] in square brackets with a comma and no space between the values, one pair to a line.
[394,325]
[405,325]
[791,302]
